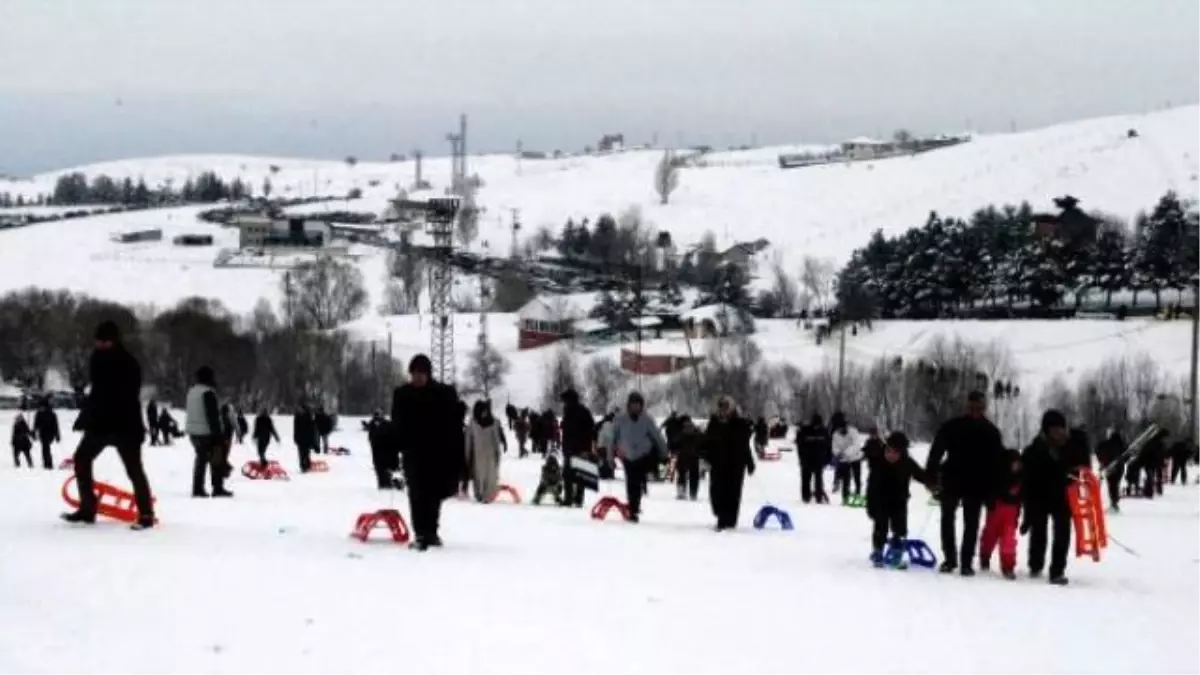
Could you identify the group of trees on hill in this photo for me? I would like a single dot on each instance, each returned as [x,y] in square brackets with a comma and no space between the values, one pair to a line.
[207,187]
[1008,257]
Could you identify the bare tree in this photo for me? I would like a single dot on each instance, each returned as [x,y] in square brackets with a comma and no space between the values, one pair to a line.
[466,223]
[396,300]
[666,176]
[408,270]
[783,288]
[816,277]
[560,376]
[324,293]
[605,381]
[486,370]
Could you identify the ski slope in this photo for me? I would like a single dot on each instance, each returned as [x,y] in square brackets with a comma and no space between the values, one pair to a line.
[270,582]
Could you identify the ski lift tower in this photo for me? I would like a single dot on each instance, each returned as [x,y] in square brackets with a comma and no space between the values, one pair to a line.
[439,218]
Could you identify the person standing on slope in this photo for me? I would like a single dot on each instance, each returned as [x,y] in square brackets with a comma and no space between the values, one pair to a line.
[112,415]
[847,455]
[813,448]
[1108,452]
[578,432]
[973,453]
[641,446]
[152,422]
[383,456]
[22,441]
[726,448]
[205,429]
[687,460]
[264,431]
[304,435]
[1049,464]
[428,430]
[484,443]
[45,425]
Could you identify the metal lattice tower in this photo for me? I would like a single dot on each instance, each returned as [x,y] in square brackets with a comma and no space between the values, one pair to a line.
[440,226]
[458,158]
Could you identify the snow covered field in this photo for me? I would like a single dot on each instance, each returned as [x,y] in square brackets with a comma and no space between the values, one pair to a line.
[270,582]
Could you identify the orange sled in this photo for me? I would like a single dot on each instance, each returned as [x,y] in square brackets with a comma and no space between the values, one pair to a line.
[509,490]
[111,502]
[389,518]
[601,508]
[318,466]
[1087,514]
[272,471]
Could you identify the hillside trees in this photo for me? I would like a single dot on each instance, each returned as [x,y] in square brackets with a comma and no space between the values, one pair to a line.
[666,176]
[486,370]
[324,293]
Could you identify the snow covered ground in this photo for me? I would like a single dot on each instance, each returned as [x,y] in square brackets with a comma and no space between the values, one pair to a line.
[270,582]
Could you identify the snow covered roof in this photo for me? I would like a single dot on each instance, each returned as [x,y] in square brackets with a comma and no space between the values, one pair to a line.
[863,140]
[9,391]
[726,316]
[567,307]
[646,321]
[588,326]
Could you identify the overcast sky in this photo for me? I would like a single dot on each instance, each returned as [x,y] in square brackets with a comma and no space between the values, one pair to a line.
[88,80]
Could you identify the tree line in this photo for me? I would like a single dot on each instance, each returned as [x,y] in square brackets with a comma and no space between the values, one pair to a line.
[1010,258]
[207,187]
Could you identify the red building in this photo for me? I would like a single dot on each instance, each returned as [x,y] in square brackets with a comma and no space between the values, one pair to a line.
[653,361]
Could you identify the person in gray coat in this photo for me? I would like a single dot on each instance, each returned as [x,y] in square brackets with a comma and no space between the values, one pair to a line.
[641,446]
[484,442]
[205,430]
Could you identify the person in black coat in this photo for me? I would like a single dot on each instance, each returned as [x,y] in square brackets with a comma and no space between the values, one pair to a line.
[510,414]
[243,427]
[761,433]
[167,427]
[1153,459]
[383,455]
[22,441]
[1181,453]
[152,422]
[45,425]
[112,415]
[323,425]
[264,431]
[427,427]
[304,435]
[726,448]
[1107,453]
[814,450]
[1049,464]
[578,431]
[973,454]
[890,474]
[687,460]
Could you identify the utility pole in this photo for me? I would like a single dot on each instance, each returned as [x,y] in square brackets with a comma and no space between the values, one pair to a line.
[841,377]
[1192,427]
[516,227]
[484,295]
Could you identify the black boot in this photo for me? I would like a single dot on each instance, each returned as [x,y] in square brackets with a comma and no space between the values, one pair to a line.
[79,517]
[142,524]
[947,567]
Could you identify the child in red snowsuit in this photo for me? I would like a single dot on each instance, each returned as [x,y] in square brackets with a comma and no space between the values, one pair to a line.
[1002,518]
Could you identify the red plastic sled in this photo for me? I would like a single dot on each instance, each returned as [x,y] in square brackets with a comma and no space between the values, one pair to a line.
[607,503]
[67,464]
[389,518]
[272,471]
[111,502]
[507,489]
[1087,512]
[318,466]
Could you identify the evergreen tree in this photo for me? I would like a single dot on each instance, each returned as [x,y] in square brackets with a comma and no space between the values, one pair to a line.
[141,193]
[127,190]
[1110,265]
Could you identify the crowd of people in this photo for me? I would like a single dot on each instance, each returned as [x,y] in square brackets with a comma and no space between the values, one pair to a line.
[434,446]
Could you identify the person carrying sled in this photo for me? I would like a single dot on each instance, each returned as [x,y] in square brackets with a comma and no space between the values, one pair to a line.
[687,460]
[1049,464]
[22,441]
[578,431]
[847,455]
[813,449]
[1003,518]
[427,429]
[641,446]
[890,473]
[264,431]
[206,430]
[965,459]
[726,448]
[45,425]
[484,444]
[112,415]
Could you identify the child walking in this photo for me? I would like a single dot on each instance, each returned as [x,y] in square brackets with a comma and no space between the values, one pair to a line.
[1000,529]
[891,472]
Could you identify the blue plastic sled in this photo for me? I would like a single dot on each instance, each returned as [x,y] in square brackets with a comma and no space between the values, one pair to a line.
[919,554]
[765,513]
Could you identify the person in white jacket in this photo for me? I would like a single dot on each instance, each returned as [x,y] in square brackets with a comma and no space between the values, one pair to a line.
[847,455]
[484,443]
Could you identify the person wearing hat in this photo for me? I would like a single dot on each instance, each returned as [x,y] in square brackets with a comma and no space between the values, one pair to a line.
[1049,464]
[640,444]
[205,430]
[890,474]
[726,448]
[578,432]
[112,415]
[427,429]
[304,435]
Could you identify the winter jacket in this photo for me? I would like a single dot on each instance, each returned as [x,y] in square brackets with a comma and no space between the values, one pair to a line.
[22,436]
[45,423]
[264,429]
[813,445]
[151,415]
[203,414]
[304,429]
[761,432]
[671,428]
[638,438]
[427,428]
[484,438]
[577,426]
[379,431]
[888,483]
[1109,449]
[1009,485]
[846,446]
[112,408]
[726,445]
[228,423]
[1046,473]
[689,445]
[972,451]
[324,423]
